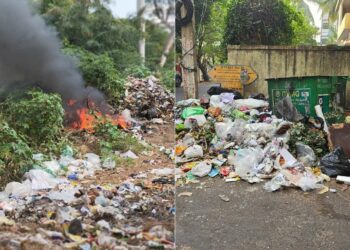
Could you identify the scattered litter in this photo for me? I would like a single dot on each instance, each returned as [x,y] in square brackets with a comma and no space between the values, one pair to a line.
[224,197]
[188,194]
[129,154]
[344,179]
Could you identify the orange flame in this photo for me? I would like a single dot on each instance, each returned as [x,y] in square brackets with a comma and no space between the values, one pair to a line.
[88,120]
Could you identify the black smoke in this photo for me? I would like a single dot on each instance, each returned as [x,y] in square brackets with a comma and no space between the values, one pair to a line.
[30,54]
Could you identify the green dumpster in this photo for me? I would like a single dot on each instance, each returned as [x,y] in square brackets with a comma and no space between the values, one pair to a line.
[307,92]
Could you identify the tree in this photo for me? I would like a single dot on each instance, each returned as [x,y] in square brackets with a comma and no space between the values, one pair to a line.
[329,7]
[267,22]
[164,11]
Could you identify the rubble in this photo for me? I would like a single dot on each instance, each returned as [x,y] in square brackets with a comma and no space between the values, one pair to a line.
[147,98]
[240,139]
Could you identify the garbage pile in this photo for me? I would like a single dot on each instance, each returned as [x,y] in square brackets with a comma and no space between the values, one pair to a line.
[147,98]
[67,211]
[240,139]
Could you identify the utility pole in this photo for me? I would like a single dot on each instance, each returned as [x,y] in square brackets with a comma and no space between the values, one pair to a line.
[189,62]
[142,41]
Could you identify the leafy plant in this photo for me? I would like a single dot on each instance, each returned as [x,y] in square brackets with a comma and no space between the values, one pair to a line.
[37,116]
[167,78]
[139,71]
[312,137]
[113,139]
[99,71]
[15,154]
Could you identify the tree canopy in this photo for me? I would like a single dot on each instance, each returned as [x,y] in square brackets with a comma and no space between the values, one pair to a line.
[267,22]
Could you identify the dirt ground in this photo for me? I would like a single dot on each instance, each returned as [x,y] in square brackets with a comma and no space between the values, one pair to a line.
[256,219]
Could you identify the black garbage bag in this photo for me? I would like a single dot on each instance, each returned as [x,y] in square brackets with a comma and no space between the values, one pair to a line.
[217,90]
[335,163]
[258,96]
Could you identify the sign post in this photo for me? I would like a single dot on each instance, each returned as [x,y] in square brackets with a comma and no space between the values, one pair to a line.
[233,76]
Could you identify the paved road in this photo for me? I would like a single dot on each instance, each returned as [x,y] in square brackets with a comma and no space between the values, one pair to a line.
[256,219]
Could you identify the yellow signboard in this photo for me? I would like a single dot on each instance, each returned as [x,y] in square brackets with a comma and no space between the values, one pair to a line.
[233,76]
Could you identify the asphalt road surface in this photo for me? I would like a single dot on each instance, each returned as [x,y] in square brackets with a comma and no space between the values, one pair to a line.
[255,219]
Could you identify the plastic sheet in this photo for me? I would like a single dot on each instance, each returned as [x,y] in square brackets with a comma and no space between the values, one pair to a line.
[305,154]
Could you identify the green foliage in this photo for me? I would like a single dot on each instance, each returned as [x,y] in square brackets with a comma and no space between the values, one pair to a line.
[139,71]
[37,116]
[113,139]
[15,154]
[167,78]
[99,71]
[267,22]
[312,137]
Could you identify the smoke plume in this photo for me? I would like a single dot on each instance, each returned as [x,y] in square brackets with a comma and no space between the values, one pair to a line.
[30,53]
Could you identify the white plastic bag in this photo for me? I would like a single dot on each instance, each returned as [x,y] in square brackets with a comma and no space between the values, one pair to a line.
[18,189]
[163,171]
[251,103]
[201,169]
[53,166]
[193,152]
[41,179]
[246,161]
[94,159]
[200,120]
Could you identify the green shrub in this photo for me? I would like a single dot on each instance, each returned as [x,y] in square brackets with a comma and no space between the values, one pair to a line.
[99,71]
[139,71]
[37,116]
[167,78]
[15,154]
[113,139]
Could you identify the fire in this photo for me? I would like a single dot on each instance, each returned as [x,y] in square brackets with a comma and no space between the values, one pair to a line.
[86,119]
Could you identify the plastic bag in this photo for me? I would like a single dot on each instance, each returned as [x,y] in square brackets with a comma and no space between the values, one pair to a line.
[305,154]
[191,111]
[94,159]
[129,154]
[18,189]
[201,169]
[200,120]
[246,161]
[335,163]
[52,166]
[251,103]
[41,179]
[163,171]
[193,152]
[227,97]
[231,131]
[287,110]
[215,101]
[276,183]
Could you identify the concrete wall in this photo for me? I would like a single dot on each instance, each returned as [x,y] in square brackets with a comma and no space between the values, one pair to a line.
[290,61]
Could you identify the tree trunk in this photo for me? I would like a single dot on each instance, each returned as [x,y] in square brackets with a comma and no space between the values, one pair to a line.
[203,68]
[142,41]
[169,44]
[189,58]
